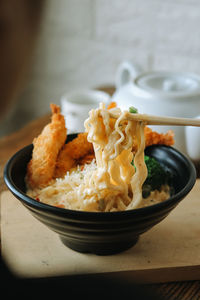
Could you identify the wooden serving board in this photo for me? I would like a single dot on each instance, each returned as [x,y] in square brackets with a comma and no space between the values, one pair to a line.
[168,252]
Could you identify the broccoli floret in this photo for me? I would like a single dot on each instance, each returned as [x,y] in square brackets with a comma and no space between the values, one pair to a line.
[157,176]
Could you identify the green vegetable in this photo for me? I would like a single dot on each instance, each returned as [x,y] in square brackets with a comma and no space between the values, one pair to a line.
[133,110]
[157,176]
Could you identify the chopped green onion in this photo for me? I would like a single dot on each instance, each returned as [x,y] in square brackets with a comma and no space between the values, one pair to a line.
[133,110]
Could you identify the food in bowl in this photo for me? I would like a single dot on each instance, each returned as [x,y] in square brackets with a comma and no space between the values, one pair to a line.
[102,170]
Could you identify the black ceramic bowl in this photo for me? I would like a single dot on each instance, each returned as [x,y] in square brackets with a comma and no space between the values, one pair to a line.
[103,232]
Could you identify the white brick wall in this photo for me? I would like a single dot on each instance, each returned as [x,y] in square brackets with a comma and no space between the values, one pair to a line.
[83,41]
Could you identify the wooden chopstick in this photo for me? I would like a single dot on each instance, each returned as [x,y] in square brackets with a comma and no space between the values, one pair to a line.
[158,120]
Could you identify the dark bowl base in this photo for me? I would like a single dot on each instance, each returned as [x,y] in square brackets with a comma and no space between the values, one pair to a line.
[103,233]
[100,249]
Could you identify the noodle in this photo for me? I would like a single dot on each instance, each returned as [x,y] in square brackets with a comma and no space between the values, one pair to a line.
[113,155]
[111,183]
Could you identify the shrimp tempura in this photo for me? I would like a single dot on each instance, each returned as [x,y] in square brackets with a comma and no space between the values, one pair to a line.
[155,138]
[40,169]
[52,158]
[71,153]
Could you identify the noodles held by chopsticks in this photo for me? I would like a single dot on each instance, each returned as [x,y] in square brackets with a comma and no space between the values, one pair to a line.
[94,172]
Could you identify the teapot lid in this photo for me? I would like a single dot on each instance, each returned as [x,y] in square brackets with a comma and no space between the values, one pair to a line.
[169,83]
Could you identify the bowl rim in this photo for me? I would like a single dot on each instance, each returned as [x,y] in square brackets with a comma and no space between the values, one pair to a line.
[155,208]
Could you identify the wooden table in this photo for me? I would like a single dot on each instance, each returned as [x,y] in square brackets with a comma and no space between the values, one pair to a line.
[10,144]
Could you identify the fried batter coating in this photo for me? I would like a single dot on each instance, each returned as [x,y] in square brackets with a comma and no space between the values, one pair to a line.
[153,137]
[40,169]
[71,153]
[79,146]
[64,162]
[87,159]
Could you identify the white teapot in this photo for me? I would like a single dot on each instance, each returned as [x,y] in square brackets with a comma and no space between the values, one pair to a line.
[175,94]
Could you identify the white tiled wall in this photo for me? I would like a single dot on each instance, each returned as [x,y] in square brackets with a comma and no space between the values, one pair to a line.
[83,41]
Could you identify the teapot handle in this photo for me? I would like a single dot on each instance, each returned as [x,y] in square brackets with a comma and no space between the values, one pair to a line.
[126,73]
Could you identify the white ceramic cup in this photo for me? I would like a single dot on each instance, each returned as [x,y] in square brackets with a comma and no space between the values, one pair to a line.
[192,135]
[76,105]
